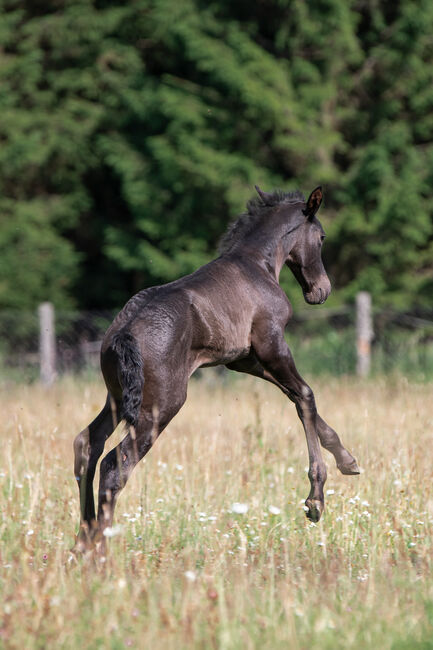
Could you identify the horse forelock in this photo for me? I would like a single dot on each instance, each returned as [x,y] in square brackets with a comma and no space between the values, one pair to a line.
[257,209]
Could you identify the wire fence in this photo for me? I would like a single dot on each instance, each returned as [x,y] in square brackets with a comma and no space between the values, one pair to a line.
[77,336]
[323,341]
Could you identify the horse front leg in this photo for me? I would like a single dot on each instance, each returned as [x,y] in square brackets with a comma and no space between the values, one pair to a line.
[329,439]
[276,359]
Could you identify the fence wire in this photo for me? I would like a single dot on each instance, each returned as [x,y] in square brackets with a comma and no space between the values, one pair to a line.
[322,341]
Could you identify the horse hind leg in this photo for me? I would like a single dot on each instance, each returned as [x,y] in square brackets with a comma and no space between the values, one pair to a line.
[118,464]
[88,447]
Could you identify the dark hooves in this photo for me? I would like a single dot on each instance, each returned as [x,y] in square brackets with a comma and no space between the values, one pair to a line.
[88,541]
[315,509]
[350,469]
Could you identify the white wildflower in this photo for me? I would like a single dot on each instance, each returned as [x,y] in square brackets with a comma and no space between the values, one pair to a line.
[239,508]
[112,531]
[362,577]
[190,575]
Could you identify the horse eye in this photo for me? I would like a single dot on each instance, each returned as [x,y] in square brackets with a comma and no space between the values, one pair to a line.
[322,237]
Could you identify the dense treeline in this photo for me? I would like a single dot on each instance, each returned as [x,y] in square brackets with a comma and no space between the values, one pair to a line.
[132,132]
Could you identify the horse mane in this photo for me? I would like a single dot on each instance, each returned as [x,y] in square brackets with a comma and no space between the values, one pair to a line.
[257,209]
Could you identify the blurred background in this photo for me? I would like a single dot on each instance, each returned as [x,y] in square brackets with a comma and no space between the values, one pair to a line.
[133,132]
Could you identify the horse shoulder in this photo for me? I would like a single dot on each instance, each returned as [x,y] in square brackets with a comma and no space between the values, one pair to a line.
[272,313]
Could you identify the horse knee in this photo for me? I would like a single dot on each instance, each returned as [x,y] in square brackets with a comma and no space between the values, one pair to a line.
[306,402]
[81,453]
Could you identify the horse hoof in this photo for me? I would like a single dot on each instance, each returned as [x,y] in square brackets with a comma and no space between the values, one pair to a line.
[86,540]
[350,468]
[79,548]
[315,509]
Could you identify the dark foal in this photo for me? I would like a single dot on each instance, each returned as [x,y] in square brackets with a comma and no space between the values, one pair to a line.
[231,311]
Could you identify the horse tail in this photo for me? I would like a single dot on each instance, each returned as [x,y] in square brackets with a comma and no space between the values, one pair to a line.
[130,367]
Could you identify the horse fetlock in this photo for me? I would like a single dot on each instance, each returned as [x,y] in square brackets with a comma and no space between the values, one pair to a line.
[317,474]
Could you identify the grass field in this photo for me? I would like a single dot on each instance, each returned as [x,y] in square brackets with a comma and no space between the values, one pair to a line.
[184,570]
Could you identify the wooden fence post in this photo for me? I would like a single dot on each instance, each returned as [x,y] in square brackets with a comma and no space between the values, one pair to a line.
[47,343]
[364,333]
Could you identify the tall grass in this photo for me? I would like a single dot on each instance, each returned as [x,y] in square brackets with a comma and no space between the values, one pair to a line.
[186,571]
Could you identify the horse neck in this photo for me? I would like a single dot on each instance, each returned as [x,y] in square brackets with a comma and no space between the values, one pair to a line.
[265,250]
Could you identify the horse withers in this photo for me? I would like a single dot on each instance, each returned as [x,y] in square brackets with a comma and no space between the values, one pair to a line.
[231,311]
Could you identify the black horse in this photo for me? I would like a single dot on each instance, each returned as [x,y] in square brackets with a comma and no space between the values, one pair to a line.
[231,311]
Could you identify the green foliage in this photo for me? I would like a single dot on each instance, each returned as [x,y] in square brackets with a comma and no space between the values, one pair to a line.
[35,262]
[331,352]
[132,132]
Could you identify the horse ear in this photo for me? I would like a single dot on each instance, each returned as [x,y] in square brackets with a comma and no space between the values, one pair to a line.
[313,203]
[263,195]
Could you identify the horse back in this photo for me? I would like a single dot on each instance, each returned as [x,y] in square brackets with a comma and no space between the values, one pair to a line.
[205,318]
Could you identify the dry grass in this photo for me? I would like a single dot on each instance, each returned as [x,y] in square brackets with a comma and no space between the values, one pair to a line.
[185,571]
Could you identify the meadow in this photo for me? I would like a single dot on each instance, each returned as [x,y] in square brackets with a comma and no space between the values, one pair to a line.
[210,547]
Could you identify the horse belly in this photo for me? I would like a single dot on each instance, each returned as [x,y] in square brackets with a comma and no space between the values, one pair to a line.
[207,359]
[222,349]
[221,331]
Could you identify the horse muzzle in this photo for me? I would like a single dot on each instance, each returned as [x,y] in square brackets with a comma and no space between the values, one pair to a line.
[318,292]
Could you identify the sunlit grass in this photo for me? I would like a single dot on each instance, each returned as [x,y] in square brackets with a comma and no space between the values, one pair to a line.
[210,546]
